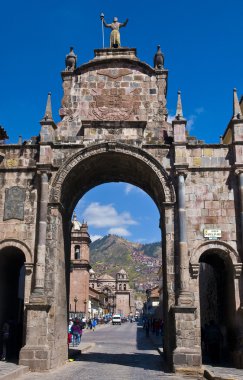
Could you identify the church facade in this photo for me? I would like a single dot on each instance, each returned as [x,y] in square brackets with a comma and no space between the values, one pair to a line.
[118,295]
[114,128]
[115,292]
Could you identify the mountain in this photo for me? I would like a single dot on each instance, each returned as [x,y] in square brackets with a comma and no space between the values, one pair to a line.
[140,261]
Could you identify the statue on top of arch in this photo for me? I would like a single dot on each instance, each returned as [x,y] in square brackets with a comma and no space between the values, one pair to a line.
[115,41]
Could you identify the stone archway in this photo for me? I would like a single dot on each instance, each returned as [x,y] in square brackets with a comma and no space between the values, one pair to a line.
[104,159]
[217,267]
[97,164]
[15,270]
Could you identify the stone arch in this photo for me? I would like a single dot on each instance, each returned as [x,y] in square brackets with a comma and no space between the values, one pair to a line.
[128,158]
[225,251]
[7,243]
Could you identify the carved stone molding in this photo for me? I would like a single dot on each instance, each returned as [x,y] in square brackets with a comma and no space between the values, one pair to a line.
[238,270]
[224,250]
[99,149]
[194,269]
[19,245]
[29,268]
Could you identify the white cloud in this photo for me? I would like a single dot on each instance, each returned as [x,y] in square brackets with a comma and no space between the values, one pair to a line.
[95,237]
[102,216]
[119,231]
[170,118]
[131,188]
[128,188]
[192,118]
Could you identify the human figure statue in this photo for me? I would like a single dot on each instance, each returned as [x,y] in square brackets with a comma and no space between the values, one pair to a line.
[115,40]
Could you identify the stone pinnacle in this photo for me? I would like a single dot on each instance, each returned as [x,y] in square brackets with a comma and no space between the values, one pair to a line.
[236,106]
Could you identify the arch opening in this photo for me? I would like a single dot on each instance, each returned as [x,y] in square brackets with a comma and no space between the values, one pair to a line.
[217,306]
[120,229]
[100,164]
[12,290]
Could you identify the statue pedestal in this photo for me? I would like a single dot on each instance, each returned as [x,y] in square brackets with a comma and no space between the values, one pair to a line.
[115,53]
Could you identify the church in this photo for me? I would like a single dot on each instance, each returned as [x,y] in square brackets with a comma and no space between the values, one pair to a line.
[116,292]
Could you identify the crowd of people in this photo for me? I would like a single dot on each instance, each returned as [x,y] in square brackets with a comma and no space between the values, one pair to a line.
[76,327]
[154,325]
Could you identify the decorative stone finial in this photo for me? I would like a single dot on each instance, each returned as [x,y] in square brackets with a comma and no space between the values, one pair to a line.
[236,106]
[74,216]
[159,59]
[179,113]
[48,112]
[71,60]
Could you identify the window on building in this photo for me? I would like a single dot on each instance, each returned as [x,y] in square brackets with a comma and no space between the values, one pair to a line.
[125,287]
[77,252]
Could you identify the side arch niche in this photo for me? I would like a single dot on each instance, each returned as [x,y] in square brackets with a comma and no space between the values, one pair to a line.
[217,268]
[16,268]
[224,250]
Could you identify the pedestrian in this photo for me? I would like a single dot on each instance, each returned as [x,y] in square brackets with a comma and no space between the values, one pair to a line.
[76,331]
[93,323]
[5,339]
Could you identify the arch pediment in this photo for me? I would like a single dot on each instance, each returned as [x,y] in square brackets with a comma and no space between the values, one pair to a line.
[224,250]
[129,63]
[8,243]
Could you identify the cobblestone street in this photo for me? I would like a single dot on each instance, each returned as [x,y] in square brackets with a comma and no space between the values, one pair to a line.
[121,352]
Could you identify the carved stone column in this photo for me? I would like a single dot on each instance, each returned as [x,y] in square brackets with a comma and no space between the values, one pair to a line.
[185,297]
[41,247]
[187,351]
[241,205]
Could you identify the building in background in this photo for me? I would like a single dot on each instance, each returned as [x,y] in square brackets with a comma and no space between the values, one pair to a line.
[118,295]
[79,269]
[91,295]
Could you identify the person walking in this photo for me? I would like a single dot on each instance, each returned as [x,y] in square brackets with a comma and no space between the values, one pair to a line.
[76,331]
[94,323]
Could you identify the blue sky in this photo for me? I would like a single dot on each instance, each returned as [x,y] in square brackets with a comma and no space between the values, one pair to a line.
[201,41]
[120,209]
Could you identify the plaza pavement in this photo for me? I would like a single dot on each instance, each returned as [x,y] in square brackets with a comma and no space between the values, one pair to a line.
[11,371]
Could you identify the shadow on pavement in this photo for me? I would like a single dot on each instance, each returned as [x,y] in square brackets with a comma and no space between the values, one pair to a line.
[145,361]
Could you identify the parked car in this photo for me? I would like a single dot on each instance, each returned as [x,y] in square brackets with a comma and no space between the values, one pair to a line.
[116,319]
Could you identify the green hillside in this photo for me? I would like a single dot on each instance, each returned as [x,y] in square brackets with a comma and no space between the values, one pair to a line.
[140,261]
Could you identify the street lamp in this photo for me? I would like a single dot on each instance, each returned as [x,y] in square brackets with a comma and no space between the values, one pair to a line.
[75,304]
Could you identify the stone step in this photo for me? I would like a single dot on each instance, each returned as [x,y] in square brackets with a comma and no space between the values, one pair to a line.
[11,371]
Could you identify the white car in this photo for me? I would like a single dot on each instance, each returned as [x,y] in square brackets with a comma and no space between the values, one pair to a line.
[116,319]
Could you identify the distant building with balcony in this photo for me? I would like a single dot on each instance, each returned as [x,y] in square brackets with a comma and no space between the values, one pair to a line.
[118,295]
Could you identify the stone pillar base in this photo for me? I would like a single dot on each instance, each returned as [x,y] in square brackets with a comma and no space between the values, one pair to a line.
[36,358]
[187,361]
[185,298]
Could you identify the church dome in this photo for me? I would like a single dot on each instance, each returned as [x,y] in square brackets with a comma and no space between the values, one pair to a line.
[76,225]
